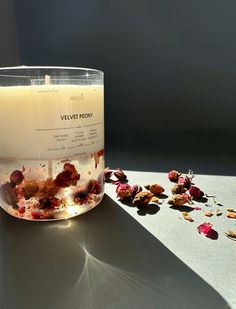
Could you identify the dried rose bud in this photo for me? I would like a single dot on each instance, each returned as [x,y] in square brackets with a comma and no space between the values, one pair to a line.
[94,186]
[135,189]
[154,199]
[30,188]
[185,181]
[49,202]
[231,215]
[208,213]
[107,173]
[16,177]
[179,199]
[120,175]
[195,192]
[142,199]
[9,194]
[173,175]
[124,192]
[178,189]
[204,228]
[155,189]
[187,216]
[21,209]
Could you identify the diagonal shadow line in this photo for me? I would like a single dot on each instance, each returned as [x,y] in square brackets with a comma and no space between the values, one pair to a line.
[103,259]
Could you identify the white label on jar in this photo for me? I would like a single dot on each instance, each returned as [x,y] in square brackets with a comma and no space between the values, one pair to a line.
[51,121]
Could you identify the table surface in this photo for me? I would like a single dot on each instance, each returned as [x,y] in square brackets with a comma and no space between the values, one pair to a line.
[115,256]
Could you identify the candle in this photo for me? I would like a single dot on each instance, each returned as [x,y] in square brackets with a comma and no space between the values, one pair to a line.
[51,141]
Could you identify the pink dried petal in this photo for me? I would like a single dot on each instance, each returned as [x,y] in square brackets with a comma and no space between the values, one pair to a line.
[204,228]
[197,208]
[36,215]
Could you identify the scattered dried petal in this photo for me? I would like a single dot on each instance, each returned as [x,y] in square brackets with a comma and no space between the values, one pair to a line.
[154,199]
[178,189]
[185,181]
[208,213]
[173,175]
[187,216]
[179,199]
[231,235]
[197,208]
[107,173]
[195,192]
[136,189]
[156,189]
[231,215]
[142,199]
[120,175]
[218,212]
[124,192]
[204,228]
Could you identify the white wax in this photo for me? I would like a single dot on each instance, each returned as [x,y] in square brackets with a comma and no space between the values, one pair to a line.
[50,121]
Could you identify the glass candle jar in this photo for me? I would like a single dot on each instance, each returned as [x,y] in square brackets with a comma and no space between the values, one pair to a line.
[51,141]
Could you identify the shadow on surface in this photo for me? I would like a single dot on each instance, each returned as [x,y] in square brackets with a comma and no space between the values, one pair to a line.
[103,259]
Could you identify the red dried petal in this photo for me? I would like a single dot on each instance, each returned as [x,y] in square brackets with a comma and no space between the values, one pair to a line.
[204,228]
[195,192]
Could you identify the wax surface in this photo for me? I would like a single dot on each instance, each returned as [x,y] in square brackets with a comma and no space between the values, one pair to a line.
[51,121]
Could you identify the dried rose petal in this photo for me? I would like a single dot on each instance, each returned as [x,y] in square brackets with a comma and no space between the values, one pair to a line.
[120,175]
[156,189]
[36,215]
[208,213]
[204,228]
[16,177]
[187,216]
[142,199]
[178,189]
[179,199]
[218,212]
[197,208]
[231,215]
[195,192]
[185,181]
[231,235]
[173,175]
[21,209]
[124,192]
[107,173]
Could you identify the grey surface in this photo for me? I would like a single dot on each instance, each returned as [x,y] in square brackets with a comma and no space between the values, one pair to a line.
[107,259]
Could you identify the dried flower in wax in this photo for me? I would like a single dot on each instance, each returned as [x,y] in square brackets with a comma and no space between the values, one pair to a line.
[208,213]
[81,194]
[173,175]
[156,189]
[120,175]
[9,194]
[179,199]
[94,186]
[195,192]
[29,188]
[231,215]
[124,192]
[178,189]
[107,173]
[97,156]
[142,199]
[16,177]
[49,202]
[68,177]
[187,216]
[231,235]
